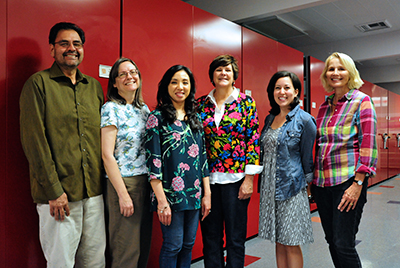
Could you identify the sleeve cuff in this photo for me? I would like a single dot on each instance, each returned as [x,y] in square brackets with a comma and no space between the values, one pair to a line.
[54,191]
[309,177]
[253,169]
[365,169]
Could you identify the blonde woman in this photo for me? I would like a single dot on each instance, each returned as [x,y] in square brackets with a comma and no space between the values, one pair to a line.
[346,157]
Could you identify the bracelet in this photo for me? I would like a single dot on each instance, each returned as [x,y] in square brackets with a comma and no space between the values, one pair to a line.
[162,209]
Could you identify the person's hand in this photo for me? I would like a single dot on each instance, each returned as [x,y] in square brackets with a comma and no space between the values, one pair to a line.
[205,206]
[126,206]
[350,198]
[164,214]
[246,189]
[59,207]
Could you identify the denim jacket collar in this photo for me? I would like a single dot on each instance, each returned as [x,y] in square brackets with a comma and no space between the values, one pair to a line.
[290,115]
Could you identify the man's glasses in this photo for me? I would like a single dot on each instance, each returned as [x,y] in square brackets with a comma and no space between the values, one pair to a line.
[66,44]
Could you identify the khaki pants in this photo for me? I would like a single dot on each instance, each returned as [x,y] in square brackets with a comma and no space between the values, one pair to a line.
[79,240]
[130,237]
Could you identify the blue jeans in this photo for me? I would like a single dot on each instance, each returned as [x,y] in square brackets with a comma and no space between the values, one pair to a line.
[340,227]
[179,238]
[229,211]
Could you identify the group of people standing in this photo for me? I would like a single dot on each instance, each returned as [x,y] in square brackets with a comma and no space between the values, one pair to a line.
[191,161]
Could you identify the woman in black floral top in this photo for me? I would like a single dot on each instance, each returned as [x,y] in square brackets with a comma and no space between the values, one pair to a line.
[177,163]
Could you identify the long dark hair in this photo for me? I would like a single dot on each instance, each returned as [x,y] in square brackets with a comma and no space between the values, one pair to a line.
[275,110]
[164,102]
[112,92]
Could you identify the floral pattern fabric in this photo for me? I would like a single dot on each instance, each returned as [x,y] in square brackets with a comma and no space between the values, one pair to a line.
[177,157]
[235,143]
[129,147]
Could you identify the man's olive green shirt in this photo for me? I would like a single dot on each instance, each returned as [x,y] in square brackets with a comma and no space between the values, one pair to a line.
[60,134]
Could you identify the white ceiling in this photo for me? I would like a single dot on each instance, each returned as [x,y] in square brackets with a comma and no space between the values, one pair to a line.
[325,26]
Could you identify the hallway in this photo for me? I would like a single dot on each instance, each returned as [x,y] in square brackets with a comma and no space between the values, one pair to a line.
[378,240]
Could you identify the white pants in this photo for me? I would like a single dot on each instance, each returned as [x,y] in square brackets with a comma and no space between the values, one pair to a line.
[79,240]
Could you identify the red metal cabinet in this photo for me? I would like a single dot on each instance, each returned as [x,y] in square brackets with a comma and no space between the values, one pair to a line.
[394,134]
[367,89]
[260,62]
[157,35]
[317,91]
[380,98]
[3,114]
[213,36]
[291,60]
[28,25]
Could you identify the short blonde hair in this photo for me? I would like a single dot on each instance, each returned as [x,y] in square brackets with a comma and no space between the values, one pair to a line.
[355,80]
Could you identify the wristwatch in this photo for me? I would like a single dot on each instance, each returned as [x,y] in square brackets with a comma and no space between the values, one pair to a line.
[358,182]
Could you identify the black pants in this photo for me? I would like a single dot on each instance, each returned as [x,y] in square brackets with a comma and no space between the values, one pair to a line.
[340,227]
[229,211]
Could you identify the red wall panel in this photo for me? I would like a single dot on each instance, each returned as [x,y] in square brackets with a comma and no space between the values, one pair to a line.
[394,134]
[291,60]
[380,98]
[213,36]
[28,52]
[3,153]
[367,89]
[156,36]
[317,91]
[260,62]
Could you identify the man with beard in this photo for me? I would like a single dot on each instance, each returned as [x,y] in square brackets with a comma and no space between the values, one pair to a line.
[60,134]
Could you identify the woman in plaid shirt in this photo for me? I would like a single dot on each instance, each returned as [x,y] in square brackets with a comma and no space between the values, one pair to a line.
[346,157]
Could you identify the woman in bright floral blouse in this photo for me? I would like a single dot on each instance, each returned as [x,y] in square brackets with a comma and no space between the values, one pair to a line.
[231,129]
[177,163]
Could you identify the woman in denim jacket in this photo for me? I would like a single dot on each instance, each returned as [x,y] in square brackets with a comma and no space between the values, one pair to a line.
[287,141]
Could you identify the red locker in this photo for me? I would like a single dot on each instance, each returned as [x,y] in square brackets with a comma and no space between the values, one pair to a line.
[156,36]
[394,134]
[3,153]
[28,52]
[367,89]
[213,36]
[291,60]
[260,62]
[317,91]
[380,98]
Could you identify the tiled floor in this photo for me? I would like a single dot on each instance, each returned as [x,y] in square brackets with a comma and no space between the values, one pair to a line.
[378,238]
